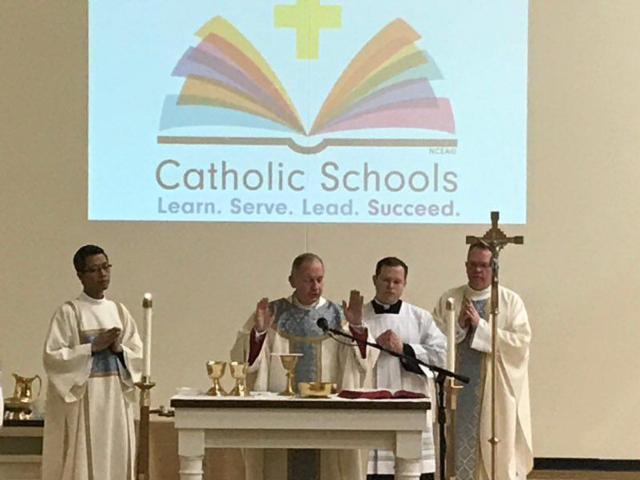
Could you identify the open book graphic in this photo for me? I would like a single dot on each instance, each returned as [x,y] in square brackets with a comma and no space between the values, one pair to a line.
[386,85]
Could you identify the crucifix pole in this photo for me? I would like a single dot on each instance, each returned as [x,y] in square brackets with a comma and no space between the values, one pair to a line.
[495,239]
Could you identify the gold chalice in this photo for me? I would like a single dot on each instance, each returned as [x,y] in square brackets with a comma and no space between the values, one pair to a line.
[289,362]
[239,372]
[215,370]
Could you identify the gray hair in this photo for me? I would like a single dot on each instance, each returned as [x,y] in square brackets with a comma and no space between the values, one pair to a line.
[304,258]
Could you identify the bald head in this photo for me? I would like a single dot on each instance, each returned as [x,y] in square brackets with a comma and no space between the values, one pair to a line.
[305,258]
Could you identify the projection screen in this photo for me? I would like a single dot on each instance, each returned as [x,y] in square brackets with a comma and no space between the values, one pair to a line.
[340,111]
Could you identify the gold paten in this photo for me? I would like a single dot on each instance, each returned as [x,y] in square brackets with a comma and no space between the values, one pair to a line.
[316,389]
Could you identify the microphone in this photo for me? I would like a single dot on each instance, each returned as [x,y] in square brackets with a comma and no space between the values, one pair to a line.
[323,324]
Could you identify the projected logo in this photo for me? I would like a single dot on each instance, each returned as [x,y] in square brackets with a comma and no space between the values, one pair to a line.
[386,88]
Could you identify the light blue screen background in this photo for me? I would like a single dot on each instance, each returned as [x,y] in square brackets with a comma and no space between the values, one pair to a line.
[480,47]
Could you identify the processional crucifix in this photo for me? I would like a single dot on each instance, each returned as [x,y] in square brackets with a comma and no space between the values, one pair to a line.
[495,239]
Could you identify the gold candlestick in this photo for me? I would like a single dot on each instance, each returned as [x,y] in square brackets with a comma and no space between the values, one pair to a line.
[451,391]
[142,464]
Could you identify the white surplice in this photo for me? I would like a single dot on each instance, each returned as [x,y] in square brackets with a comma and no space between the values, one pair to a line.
[513,420]
[89,424]
[342,364]
[416,328]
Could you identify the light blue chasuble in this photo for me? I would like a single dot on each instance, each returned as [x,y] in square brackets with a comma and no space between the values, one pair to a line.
[298,325]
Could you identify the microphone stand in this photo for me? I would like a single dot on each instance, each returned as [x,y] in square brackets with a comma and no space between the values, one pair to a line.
[440,375]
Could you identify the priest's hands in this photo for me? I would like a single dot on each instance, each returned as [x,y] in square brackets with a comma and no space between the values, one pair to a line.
[116,346]
[105,340]
[469,316]
[353,310]
[263,316]
[391,341]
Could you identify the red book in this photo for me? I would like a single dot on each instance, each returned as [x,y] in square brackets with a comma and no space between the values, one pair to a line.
[380,394]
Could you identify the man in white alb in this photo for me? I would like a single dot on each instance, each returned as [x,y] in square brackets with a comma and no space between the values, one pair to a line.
[402,328]
[288,325]
[92,357]
[473,359]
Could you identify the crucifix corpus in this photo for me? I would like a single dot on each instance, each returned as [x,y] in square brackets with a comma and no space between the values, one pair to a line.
[495,239]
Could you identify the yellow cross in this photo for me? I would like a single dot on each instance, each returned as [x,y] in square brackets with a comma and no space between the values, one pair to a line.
[308,17]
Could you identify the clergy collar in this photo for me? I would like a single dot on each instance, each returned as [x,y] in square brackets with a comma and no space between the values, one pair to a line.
[381,308]
[321,301]
[86,298]
[472,294]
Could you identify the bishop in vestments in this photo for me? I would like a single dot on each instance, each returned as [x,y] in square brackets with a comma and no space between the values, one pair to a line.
[288,325]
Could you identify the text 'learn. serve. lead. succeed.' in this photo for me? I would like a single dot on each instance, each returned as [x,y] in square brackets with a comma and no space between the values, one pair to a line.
[304,207]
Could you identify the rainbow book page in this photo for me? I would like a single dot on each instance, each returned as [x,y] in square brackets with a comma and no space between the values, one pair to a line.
[227,82]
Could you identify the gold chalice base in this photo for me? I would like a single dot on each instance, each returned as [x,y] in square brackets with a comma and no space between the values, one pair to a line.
[216,391]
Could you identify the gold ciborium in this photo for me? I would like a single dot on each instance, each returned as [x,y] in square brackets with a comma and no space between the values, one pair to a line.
[215,370]
[239,372]
[289,362]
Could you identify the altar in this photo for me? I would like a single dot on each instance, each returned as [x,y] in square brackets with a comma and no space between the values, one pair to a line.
[270,421]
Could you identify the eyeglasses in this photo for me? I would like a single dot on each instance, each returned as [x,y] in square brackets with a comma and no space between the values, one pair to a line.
[106,267]
[481,266]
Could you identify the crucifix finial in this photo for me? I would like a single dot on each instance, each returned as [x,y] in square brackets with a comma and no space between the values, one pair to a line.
[495,238]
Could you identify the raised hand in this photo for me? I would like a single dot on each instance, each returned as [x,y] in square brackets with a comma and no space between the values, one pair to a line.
[353,310]
[263,317]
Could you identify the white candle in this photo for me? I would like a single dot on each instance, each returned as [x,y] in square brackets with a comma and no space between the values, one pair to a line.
[147,305]
[451,335]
